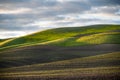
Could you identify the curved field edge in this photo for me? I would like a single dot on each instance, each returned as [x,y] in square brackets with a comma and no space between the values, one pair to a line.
[104,60]
[88,39]
[92,39]
[54,34]
[29,44]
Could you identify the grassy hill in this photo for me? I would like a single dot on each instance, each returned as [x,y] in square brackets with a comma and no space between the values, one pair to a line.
[71,53]
[66,36]
[98,38]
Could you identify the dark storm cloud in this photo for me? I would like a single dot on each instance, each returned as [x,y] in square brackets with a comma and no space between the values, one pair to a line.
[33,15]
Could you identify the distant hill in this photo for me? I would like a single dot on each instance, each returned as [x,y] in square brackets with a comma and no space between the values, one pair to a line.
[69,36]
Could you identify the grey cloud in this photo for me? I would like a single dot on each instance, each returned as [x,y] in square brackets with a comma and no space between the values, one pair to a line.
[13,1]
[105,9]
[49,10]
[104,2]
[18,28]
[13,4]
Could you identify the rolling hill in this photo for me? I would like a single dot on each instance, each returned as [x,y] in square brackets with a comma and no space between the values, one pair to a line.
[71,53]
[100,67]
[64,36]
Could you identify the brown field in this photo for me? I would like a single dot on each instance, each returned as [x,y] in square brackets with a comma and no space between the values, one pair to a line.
[94,62]
[44,54]
[102,73]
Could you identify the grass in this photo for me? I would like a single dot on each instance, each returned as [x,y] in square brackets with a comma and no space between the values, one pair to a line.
[92,39]
[58,33]
[2,42]
[112,37]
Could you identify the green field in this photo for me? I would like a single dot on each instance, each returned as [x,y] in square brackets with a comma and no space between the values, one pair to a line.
[66,36]
[71,53]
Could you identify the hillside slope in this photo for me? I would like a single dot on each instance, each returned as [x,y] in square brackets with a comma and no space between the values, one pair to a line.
[102,60]
[60,44]
[44,54]
[64,35]
[74,53]
[104,67]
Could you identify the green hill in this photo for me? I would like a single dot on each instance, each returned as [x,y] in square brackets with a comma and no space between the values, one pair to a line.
[98,38]
[66,36]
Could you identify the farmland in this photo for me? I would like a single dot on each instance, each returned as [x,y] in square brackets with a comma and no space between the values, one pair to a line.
[73,53]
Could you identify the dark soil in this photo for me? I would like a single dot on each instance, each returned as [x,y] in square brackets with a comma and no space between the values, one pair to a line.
[45,54]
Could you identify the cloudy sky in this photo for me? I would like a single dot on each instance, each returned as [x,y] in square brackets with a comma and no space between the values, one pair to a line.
[21,17]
